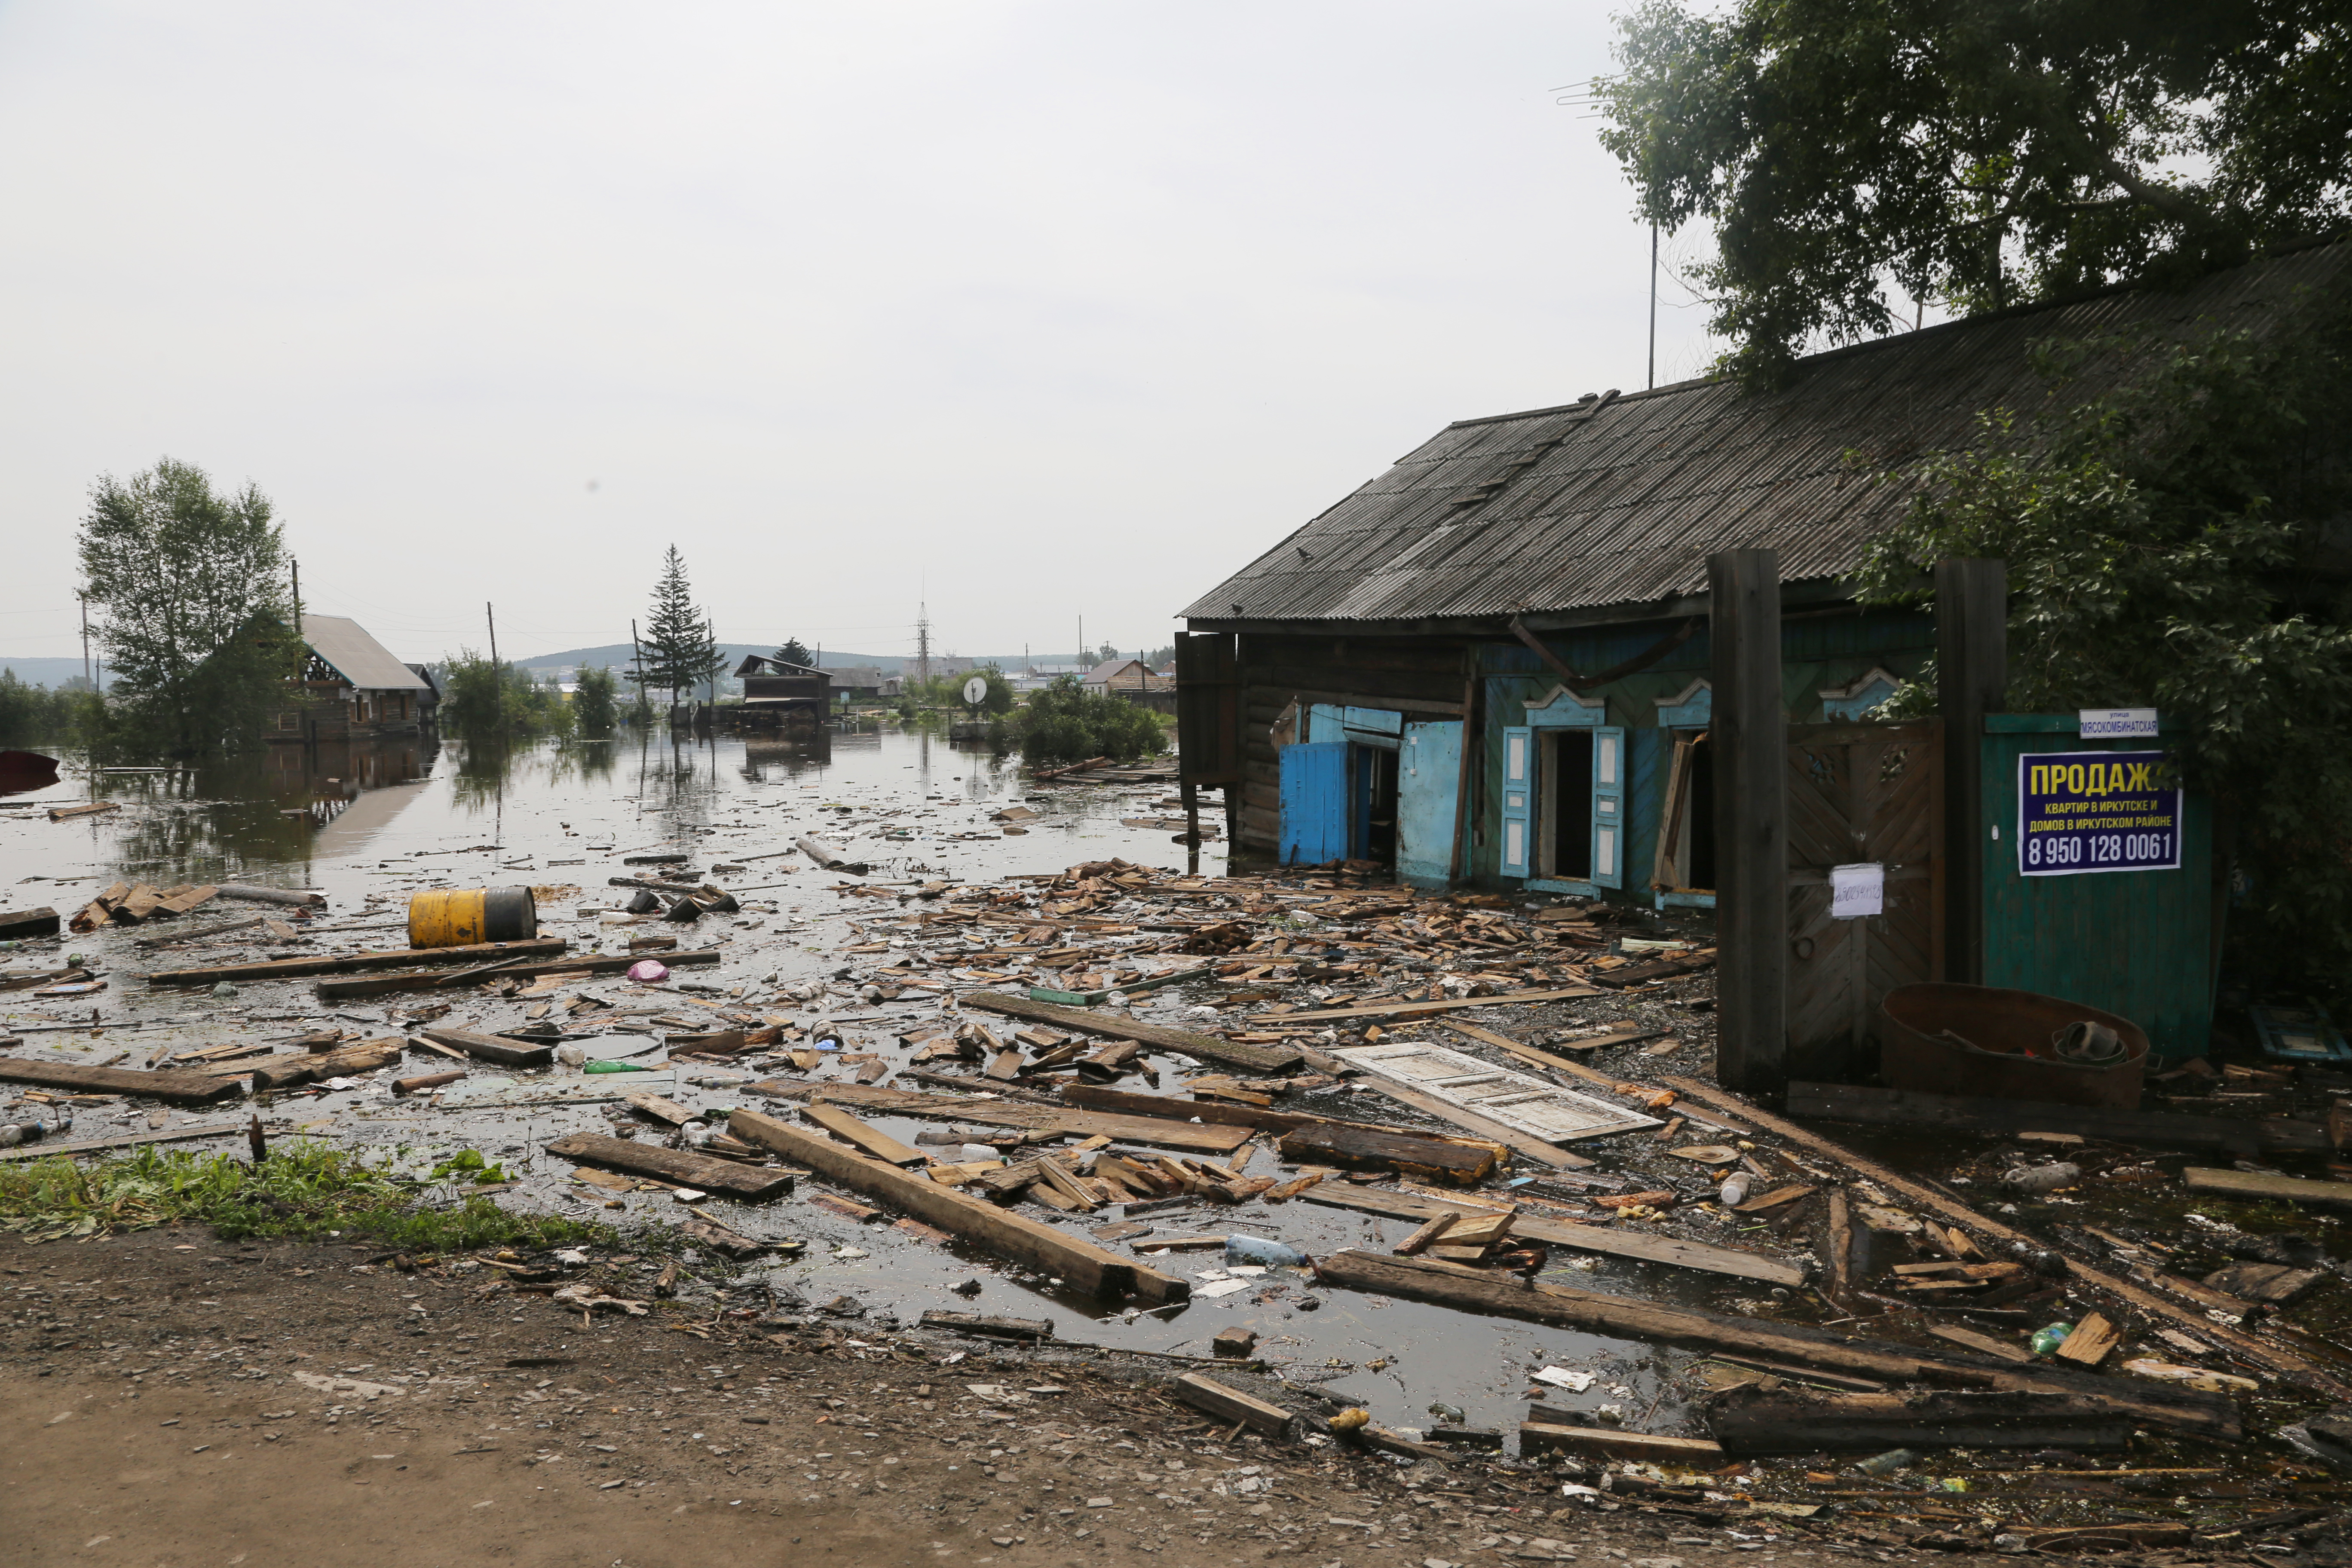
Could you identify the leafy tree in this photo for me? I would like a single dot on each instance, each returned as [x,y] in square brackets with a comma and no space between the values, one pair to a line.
[796,651]
[680,652]
[190,589]
[1106,653]
[593,701]
[1067,723]
[1980,155]
[483,700]
[2175,543]
[34,715]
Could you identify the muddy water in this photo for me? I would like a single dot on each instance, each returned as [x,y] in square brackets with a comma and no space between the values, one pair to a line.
[368,826]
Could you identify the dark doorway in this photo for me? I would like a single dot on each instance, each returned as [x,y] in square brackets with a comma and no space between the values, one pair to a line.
[1568,805]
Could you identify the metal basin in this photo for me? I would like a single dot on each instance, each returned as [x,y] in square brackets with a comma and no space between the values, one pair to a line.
[1942,1038]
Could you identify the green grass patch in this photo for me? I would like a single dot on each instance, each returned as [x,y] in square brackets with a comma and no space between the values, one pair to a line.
[304,1191]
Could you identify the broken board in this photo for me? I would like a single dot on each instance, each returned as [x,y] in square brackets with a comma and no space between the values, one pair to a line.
[1189,1136]
[1518,1101]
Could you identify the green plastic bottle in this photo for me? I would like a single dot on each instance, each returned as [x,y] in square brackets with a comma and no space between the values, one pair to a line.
[601,1065]
[2048,1339]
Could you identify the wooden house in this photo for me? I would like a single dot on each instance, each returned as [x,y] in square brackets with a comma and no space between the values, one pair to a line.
[776,695]
[1491,664]
[352,688]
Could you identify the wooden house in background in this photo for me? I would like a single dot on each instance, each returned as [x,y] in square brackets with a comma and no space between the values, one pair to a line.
[776,695]
[1490,664]
[352,688]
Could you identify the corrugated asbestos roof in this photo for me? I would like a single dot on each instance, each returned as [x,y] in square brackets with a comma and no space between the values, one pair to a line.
[1622,502]
[358,657]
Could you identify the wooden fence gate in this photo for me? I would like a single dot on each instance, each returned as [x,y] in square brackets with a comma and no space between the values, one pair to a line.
[1860,792]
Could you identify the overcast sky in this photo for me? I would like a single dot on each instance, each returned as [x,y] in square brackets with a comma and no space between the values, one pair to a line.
[1040,311]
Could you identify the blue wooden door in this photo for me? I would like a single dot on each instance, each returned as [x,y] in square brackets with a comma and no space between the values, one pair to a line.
[1429,775]
[1519,792]
[1314,803]
[1609,806]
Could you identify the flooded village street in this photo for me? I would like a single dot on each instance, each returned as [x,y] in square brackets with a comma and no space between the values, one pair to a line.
[1666,1218]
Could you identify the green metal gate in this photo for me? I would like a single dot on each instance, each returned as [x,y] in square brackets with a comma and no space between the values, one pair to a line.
[2143,943]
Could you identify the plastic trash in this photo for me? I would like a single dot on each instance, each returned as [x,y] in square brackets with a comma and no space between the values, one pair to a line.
[570,1056]
[1264,1251]
[2046,1340]
[2042,1178]
[1886,1464]
[1733,1191]
[649,971]
[608,1066]
[223,989]
[645,903]
[1453,1413]
[973,1153]
[15,1132]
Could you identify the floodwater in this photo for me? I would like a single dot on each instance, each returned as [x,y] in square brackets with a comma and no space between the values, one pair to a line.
[369,826]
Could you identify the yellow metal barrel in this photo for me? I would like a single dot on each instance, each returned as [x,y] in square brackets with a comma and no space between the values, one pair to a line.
[454,917]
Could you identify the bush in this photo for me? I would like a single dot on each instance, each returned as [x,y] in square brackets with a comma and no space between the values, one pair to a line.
[1067,723]
[480,700]
[595,704]
[33,715]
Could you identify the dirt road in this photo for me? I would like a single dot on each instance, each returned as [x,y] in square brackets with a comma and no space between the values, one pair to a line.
[167,1399]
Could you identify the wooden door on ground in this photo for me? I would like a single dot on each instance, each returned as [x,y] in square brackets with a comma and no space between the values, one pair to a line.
[1858,793]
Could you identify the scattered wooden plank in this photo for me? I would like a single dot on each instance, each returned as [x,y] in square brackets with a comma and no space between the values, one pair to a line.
[678,1167]
[1229,1404]
[2265,1353]
[491,1048]
[1014,1235]
[659,1108]
[2256,1184]
[1541,1438]
[876,1099]
[994,1328]
[17,923]
[1422,1279]
[354,963]
[119,1140]
[2091,1342]
[1606,1240]
[178,1088]
[62,813]
[1472,1087]
[1462,1165]
[1984,1344]
[871,1139]
[1402,1009]
[1748,1420]
[285,1072]
[2271,1284]
[1207,1048]
[1413,1245]
[430,980]
[2107,1537]
[1977,1113]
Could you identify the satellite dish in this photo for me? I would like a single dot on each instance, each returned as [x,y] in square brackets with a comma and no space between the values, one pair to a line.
[975,690]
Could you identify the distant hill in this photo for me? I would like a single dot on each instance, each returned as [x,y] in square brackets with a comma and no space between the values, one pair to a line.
[49,672]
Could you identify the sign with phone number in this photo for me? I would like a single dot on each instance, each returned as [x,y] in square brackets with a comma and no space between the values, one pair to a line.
[2079,812]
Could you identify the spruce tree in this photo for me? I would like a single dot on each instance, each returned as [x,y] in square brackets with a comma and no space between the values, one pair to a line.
[679,649]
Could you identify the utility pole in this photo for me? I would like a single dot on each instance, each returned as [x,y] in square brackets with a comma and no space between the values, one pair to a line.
[1654,305]
[923,642]
[636,661]
[496,669]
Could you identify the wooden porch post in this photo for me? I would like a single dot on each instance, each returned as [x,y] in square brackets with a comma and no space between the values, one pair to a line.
[1971,680]
[1751,831]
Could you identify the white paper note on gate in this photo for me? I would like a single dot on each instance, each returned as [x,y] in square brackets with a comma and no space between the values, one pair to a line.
[1856,891]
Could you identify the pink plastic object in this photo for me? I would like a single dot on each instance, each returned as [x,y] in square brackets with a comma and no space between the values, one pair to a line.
[651,972]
